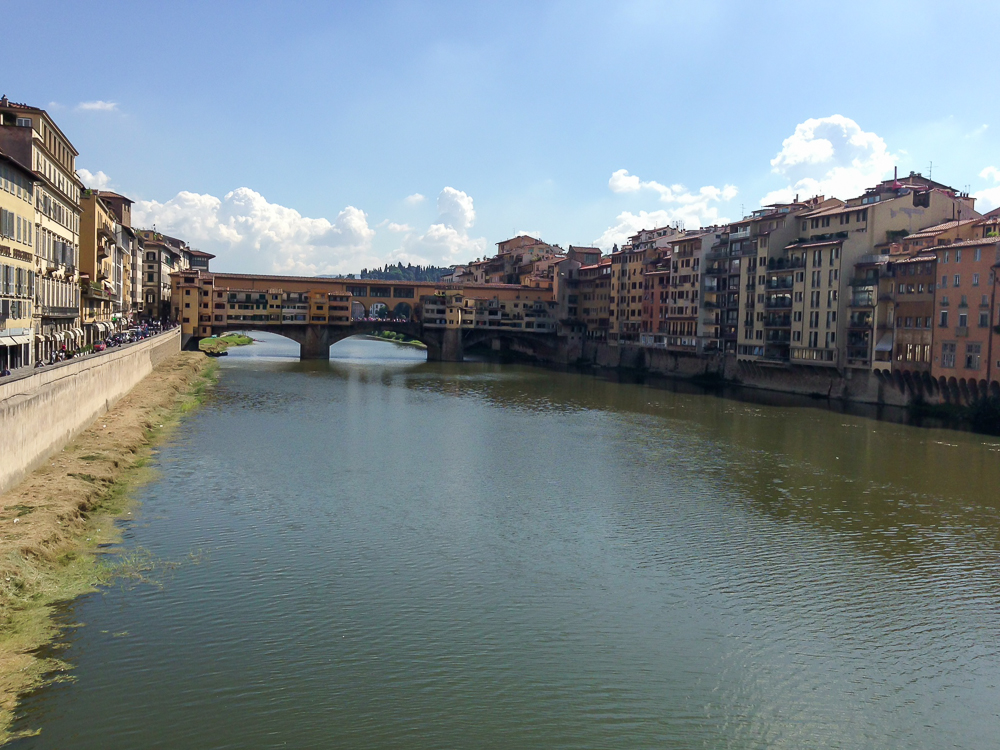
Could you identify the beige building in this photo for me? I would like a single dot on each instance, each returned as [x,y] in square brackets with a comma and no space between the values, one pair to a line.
[756,266]
[17,264]
[29,136]
[162,255]
[832,241]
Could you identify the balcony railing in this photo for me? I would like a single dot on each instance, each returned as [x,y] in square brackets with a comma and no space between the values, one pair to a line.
[962,331]
[783,283]
[777,303]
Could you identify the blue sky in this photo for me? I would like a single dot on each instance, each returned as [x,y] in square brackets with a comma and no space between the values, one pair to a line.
[300,137]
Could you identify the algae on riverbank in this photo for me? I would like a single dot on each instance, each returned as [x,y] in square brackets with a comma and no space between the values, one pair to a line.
[398,338]
[219,344]
[52,524]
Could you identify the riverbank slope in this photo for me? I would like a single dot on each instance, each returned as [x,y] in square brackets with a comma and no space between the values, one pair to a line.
[52,523]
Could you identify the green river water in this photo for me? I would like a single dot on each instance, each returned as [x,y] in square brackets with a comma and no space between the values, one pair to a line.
[380,552]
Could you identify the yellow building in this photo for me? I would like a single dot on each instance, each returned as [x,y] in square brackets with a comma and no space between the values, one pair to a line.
[17,264]
[29,135]
[100,269]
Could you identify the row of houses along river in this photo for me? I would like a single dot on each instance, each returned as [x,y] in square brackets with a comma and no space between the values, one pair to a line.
[384,552]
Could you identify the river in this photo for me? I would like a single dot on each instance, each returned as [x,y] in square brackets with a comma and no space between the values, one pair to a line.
[381,552]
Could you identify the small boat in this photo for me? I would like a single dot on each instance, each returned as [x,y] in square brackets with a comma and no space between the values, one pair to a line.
[223,353]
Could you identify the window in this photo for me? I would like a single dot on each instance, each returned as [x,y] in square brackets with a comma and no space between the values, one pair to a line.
[948,355]
[972,354]
[149,277]
[984,320]
[945,256]
[979,253]
[943,323]
[963,320]
[975,279]
[909,322]
[958,280]
[958,256]
[944,283]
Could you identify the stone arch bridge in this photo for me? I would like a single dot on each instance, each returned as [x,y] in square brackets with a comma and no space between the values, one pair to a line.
[318,312]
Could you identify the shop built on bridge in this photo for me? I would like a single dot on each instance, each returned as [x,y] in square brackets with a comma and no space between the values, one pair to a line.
[318,312]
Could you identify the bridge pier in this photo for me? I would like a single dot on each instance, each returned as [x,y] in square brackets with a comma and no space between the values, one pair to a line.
[316,344]
[448,348]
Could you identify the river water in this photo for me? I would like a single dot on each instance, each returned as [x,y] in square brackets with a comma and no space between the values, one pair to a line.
[380,552]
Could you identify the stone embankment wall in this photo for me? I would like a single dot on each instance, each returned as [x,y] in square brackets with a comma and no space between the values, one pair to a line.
[42,412]
[853,385]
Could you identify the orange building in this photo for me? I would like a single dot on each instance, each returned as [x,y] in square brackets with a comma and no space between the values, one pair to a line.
[966,344]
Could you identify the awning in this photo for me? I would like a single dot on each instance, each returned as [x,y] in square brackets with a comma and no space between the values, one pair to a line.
[78,332]
[24,338]
[885,343]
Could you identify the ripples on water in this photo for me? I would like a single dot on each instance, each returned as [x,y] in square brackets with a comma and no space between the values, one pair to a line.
[396,554]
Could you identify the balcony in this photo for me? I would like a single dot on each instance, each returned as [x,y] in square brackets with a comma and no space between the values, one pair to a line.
[94,291]
[863,322]
[785,282]
[863,300]
[739,234]
[778,303]
[778,321]
[784,264]
[962,331]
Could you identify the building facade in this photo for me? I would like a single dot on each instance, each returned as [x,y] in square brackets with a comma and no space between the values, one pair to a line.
[17,264]
[29,136]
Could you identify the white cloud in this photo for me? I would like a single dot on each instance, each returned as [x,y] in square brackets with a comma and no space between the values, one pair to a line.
[413,200]
[446,241]
[990,173]
[978,131]
[94,180]
[394,227]
[249,234]
[97,106]
[829,156]
[690,209]
[455,209]
[989,198]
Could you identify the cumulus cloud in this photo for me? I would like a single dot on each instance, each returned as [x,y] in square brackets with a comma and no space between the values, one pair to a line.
[989,198]
[829,156]
[413,200]
[687,208]
[97,106]
[446,241]
[250,234]
[94,180]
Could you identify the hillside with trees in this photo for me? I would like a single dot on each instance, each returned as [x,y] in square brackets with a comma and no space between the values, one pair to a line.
[399,272]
